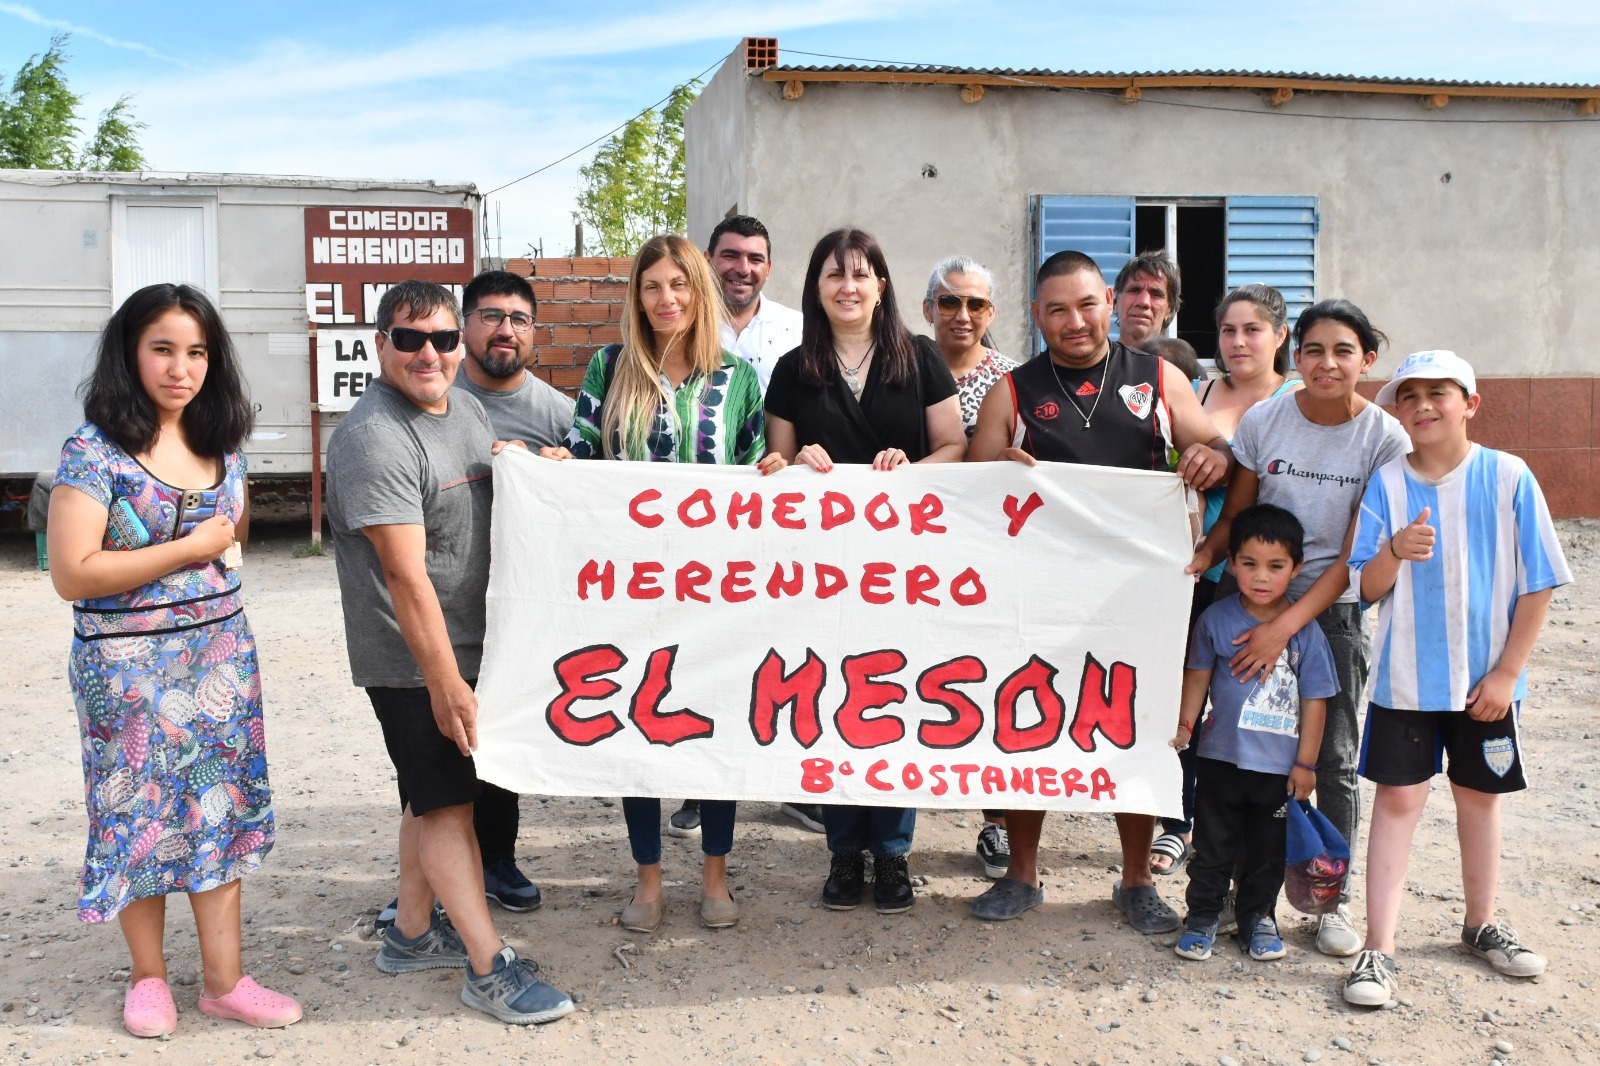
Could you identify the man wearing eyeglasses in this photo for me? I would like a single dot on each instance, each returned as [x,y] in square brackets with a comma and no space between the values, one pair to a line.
[757,329]
[499,310]
[409,497]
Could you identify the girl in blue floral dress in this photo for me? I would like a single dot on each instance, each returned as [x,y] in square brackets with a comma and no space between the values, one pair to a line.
[146,516]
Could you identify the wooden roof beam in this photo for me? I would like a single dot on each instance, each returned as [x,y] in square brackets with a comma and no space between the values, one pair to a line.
[1181,81]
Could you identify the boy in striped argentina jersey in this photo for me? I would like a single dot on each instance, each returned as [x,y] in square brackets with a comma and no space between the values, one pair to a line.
[1456,544]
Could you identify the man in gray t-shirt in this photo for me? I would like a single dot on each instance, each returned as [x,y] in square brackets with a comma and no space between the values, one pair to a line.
[499,307]
[409,496]
[499,310]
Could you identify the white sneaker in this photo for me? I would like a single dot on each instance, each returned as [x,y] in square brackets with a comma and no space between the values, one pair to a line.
[1336,936]
[1498,943]
[1371,981]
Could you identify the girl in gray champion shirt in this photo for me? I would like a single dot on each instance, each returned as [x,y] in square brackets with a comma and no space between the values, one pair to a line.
[1311,453]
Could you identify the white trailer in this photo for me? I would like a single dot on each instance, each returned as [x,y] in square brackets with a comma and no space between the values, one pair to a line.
[76,244]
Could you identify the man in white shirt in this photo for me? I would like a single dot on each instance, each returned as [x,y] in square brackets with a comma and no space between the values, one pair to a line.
[757,329]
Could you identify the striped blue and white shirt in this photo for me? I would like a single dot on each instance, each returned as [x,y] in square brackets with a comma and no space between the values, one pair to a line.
[1444,625]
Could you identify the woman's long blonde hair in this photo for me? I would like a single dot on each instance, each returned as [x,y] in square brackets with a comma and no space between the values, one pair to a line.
[636,392]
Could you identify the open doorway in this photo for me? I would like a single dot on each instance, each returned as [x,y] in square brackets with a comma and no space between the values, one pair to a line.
[1194,234]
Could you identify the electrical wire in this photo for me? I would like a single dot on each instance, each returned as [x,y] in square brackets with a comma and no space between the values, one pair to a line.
[1274,113]
[612,132]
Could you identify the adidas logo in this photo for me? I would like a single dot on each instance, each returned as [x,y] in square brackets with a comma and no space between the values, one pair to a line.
[1087,389]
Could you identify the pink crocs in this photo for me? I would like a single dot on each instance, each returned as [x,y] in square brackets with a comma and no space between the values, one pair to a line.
[148,1010]
[253,1005]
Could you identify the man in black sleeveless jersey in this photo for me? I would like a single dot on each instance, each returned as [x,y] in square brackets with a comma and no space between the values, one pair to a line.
[1089,400]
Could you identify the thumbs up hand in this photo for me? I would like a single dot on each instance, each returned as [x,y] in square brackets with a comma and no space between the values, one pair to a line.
[1414,543]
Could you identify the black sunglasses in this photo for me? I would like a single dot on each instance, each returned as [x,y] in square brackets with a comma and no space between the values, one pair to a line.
[950,304]
[408,340]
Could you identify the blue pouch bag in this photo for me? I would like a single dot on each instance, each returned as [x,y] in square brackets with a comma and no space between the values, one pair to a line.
[1317,860]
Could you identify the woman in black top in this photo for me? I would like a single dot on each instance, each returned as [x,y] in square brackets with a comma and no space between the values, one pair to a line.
[858,390]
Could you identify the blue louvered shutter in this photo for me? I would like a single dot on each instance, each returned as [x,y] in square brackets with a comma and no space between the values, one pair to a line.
[1272,240]
[1101,227]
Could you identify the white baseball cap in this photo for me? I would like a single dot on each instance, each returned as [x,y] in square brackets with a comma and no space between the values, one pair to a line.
[1434,365]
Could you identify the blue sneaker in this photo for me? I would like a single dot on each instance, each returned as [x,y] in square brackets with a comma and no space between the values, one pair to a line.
[504,884]
[512,992]
[440,948]
[1265,943]
[1196,941]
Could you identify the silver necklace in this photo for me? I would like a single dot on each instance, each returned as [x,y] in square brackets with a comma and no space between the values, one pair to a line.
[852,373]
[1103,370]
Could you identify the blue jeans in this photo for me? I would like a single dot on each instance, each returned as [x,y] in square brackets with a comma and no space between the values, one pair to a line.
[644,827]
[884,831]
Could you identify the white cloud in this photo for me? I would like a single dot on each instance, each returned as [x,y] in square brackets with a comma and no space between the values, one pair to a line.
[28,14]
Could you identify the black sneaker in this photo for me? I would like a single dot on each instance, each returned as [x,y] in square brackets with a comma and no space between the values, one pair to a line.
[994,850]
[1371,981]
[504,884]
[891,887]
[1497,943]
[807,814]
[685,821]
[843,890]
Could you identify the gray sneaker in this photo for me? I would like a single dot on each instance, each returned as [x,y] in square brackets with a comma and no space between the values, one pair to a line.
[1007,898]
[512,992]
[1497,942]
[440,948]
[1336,936]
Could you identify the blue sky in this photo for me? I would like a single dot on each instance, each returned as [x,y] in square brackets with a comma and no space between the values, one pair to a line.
[488,92]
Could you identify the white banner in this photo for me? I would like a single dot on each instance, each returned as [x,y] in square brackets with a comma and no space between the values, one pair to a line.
[967,635]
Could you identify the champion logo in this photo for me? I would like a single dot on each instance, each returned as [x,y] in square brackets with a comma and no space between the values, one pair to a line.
[1047,410]
[1087,389]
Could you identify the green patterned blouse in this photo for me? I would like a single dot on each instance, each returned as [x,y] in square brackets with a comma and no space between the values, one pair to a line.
[712,419]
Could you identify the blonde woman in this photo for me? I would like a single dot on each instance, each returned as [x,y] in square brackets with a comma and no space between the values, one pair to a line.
[669,393]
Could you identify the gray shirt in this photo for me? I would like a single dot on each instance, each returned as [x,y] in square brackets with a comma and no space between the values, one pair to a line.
[1317,473]
[535,412]
[392,463]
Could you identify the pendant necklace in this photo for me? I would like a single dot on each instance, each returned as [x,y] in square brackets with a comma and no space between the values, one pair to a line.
[1103,371]
[852,373]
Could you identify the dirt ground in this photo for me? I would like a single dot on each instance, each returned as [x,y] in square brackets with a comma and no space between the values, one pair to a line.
[792,983]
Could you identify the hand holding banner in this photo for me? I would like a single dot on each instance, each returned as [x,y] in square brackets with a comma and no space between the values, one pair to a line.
[958,635]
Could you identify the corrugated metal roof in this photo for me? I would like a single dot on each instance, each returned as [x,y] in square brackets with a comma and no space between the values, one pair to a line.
[1007,72]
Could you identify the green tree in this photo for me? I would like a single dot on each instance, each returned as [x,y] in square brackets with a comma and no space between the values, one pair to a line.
[39,122]
[634,187]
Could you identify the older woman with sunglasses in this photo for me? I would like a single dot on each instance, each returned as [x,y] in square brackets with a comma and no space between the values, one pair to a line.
[960,308]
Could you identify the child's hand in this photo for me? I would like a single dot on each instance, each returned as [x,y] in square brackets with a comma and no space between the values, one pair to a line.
[1302,782]
[1491,698]
[1181,738]
[1414,543]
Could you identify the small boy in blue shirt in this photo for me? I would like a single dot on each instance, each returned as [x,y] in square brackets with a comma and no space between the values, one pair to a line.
[1260,744]
[1455,544]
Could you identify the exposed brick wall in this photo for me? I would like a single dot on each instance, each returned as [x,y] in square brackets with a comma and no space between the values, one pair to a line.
[579,312]
[1552,423]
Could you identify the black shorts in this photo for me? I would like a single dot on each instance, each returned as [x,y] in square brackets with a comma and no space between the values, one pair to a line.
[1408,747]
[432,772]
